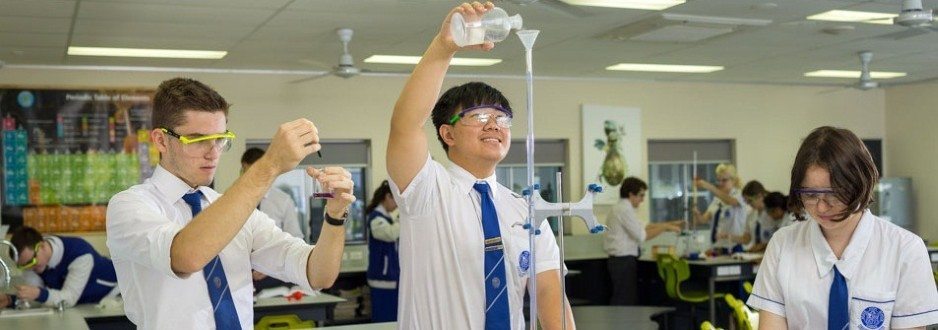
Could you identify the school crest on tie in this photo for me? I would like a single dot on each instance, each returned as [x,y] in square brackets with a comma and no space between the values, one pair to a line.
[524,262]
[217,282]
[872,318]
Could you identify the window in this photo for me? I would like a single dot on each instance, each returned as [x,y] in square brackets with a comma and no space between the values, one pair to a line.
[549,157]
[670,167]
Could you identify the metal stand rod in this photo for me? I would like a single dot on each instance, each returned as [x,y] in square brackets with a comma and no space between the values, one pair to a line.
[563,283]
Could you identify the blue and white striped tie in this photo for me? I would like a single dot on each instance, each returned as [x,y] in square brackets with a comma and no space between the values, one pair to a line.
[496,283]
[226,316]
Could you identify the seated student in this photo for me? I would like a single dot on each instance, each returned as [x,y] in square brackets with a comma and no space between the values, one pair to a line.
[844,267]
[776,216]
[625,236]
[72,272]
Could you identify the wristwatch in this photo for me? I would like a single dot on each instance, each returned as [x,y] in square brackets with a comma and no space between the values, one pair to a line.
[335,222]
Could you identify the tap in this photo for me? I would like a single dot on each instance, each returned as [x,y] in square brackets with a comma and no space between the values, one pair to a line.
[8,269]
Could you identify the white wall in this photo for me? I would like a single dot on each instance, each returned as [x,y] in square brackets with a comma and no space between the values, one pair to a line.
[767,122]
[912,148]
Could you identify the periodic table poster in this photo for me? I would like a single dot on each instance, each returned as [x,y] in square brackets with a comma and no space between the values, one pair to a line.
[65,148]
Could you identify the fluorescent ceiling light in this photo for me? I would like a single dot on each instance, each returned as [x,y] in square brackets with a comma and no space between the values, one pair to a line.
[715,19]
[142,52]
[461,61]
[853,74]
[854,16]
[664,68]
[628,4]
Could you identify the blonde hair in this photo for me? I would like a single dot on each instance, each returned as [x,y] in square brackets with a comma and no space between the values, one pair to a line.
[729,170]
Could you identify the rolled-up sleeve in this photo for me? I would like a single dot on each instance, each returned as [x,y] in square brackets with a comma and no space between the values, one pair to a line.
[548,253]
[137,232]
[417,199]
[277,253]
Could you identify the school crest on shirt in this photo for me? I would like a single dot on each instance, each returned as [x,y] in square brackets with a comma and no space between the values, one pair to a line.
[872,318]
[524,262]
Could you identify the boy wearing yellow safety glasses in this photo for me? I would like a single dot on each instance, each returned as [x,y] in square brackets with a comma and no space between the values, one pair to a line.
[184,252]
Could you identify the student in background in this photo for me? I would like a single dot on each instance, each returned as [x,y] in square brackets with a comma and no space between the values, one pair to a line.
[844,267]
[276,203]
[727,212]
[72,272]
[753,193]
[384,268]
[775,217]
[624,238]
[280,207]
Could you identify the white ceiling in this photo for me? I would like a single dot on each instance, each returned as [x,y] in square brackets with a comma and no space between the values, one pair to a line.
[300,35]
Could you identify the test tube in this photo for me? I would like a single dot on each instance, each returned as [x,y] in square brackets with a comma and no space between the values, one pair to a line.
[318,191]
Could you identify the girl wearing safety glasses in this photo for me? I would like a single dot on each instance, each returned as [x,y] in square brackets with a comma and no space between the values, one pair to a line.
[840,266]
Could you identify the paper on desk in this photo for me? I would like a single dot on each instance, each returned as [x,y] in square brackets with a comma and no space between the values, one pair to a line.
[282,291]
[747,256]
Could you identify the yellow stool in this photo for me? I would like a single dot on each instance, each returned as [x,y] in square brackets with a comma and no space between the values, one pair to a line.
[283,322]
[707,326]
[741,313]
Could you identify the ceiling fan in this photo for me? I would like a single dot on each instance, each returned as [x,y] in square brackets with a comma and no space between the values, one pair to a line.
[346,67]
[913,16]
[866,81]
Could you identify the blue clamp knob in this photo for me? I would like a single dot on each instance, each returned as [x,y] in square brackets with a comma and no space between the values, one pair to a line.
[526,226]
[526,192]
[593,187]
[537,232]
[537,186]
[597,229]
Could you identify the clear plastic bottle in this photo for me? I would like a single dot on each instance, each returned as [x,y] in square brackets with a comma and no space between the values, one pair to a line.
[494,26]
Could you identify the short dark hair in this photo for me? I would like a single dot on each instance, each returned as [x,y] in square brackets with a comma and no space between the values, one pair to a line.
[461,97]
[775,200]
[631,186]
[175,96]
[251,155]
[753,188]
[852,172]
[24,237]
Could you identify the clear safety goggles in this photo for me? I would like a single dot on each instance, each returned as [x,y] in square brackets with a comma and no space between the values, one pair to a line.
[477,118]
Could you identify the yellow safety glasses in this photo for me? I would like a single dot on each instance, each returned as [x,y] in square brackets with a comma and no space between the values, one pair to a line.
[32,262]
[198,145]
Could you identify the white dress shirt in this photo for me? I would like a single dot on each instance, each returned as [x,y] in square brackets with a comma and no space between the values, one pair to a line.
[887,269]
[626,232]
[279,206]
[383,230]
[141,224]
[769,226]
[733,219]
[442,251]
